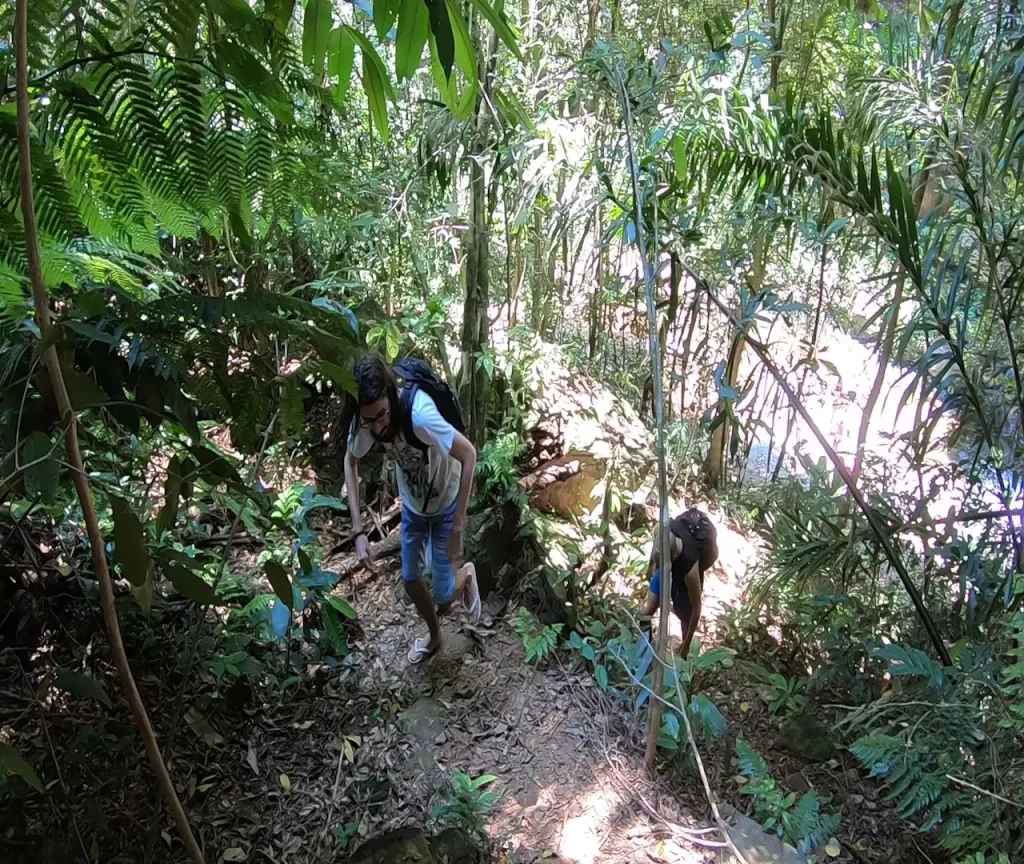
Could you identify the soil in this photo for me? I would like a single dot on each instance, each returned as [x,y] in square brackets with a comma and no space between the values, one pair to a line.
[372,744]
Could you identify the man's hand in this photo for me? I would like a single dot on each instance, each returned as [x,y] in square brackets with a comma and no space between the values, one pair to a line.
[364,554]
[455,543]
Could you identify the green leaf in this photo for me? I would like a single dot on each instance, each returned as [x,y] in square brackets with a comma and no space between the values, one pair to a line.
[465,53]
[375,97]
[304,562]
[499,22]
[483,780]
[442,42]
[82,390]
[279,581]
[679,157]
[413,29]
[190,585]
[186,415]
[172,494]
[602,676]
[588,652]
[369,51]
[343,606]
[129,543]
[82,685]
[12,763]
[41,478]
[341,376]
[332,627]
[384,12]
[341,55]
[575,640]
[316,27]
[143,593]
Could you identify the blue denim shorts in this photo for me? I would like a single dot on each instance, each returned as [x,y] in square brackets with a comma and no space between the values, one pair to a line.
[424,536]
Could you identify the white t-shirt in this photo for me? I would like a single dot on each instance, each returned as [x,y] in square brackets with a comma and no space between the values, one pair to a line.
[417,469]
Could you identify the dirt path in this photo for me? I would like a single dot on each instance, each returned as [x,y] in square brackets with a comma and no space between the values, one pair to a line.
[478,708]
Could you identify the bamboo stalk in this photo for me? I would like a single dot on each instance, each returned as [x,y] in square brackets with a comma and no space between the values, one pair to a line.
[658,397]
[78,472]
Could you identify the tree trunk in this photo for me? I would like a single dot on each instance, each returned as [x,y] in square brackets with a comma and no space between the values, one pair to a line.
[475,323]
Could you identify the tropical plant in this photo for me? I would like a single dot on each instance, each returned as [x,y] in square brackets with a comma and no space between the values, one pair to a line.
[467,804]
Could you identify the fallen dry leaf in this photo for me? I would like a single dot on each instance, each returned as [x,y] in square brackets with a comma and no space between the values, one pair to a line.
[235,853]
[250,757]
[202,728]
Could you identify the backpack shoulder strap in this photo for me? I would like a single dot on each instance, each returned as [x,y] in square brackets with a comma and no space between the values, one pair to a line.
[406,396]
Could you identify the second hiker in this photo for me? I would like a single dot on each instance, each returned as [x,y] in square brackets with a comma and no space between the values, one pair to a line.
[413,415]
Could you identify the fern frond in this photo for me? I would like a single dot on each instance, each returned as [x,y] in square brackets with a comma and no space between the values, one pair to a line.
[751,763]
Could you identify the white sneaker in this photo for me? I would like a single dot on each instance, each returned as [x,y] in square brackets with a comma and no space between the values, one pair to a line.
[471,595]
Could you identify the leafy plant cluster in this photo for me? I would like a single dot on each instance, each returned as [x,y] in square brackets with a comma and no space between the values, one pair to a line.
[797,819]
[941,734]
[467,804]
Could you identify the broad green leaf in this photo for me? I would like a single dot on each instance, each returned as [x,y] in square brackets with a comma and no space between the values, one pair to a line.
[172,494]
[332,627]
[413,29]
[82,390]
[316,27]
[369,51]
[442,42]
[82,685]
[280,13]
[499,22]
[143,593]
[186,415]
[343,606]
[12,763]
[341,55]
[190,584]
[384,12]
[602,676]
[374,87]
[679,156]
[129,543]
[465,54]
[279,581]
[341,376]
[41,478]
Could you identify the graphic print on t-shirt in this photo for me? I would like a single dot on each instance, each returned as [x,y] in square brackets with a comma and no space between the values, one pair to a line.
[427,482]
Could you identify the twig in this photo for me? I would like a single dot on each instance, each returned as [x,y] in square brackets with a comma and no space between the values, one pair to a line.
[334,794]
[69,422]
[978,789]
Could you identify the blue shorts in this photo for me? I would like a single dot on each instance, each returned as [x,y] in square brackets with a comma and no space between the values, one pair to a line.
[423,535]
[682,610]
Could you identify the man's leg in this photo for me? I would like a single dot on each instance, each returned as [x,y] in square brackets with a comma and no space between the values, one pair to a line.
[414,545]
[441,569]
[651,604]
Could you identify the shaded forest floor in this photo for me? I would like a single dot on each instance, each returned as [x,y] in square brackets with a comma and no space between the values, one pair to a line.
[371,744]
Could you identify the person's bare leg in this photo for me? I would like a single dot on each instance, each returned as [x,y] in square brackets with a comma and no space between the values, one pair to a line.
[424,602]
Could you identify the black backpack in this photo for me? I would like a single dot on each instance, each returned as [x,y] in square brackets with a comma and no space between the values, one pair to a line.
[414,375]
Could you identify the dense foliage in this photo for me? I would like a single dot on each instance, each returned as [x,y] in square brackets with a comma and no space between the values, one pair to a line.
[226,221]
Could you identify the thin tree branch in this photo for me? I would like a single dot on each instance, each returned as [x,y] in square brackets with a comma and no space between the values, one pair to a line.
[69,422]
[876,526]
